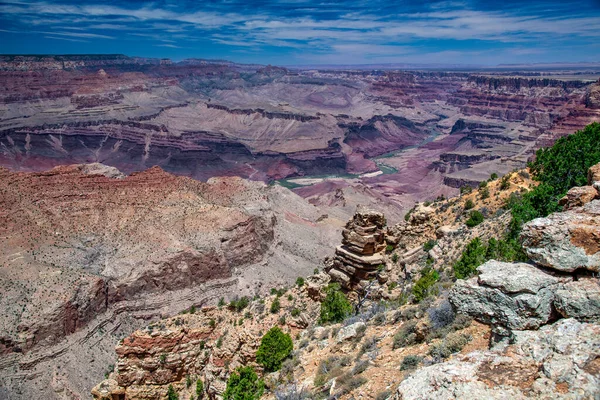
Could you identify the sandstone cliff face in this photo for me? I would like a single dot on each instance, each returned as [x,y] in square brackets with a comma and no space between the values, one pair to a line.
[88,255]
[360,257]
[202,119]
[539,338]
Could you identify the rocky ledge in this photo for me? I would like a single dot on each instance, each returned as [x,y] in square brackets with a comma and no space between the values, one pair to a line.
[544,316]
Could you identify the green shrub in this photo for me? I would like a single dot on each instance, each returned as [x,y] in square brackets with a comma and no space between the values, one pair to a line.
[472,257]
[475,219]
[172,394]
[275,346]
[243,384]
[430,244]
[557,168]
[239,304]
[407,215]
[221,302]
[199,389]
[466,189]
[484,193]
[453,343]
[482,184]
[494,176]
[410,362]
[406,335]
[275,306]
[316,271]
[505,182]
[295,312]
[394,258]
[389,248]
[300,281]
[476,253]
[212,323]
[422,287]
[469,204]
[335,307]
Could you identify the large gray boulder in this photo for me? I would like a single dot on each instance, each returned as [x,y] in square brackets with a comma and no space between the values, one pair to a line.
[565,241]
[579,299]
[558,361]
[513,296]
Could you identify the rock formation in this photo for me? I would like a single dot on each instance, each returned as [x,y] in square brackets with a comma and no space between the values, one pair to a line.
[209,118]
[360,257]
[88,255]
[550,312]
[516,296]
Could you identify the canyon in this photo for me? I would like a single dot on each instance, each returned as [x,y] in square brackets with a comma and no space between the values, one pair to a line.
[135,189]
[406,135]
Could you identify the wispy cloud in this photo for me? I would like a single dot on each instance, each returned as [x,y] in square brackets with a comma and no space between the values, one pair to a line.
[375,30]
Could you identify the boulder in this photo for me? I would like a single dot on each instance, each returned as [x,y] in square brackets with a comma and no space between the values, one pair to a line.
[350,331]
[579,299]
[315,285]
[593,174]
[565,241]
[507,296]
[578,196]
[558,361]
[108,389]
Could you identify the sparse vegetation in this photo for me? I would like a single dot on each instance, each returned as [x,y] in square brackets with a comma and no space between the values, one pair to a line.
[423,286]
[406,335]
[469,204]
[452,343]
[172,394]
[275,346]
[239,304]
[275,306]
[475,219]
[300,281]
[335,307]
[410,362]
[430,244]
[199,389]
[243,384]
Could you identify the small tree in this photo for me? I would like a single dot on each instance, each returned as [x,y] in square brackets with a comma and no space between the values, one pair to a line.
[300,281]
[469,204]
[275,346]
[172,394]
[471,258]
[199,389]
[336,306]
[428,278]
[275,306]
[243,384]
[475,219]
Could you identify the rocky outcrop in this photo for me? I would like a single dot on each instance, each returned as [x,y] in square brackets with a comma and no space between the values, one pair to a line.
[579,299]
[560,361]
[518,296]
[578,196]
[566,241]
[507,296]
[360,256]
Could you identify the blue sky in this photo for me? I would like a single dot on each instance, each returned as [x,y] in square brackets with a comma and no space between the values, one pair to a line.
[288,32]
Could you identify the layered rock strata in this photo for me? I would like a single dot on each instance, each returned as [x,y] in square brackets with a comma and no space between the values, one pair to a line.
[360,256]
